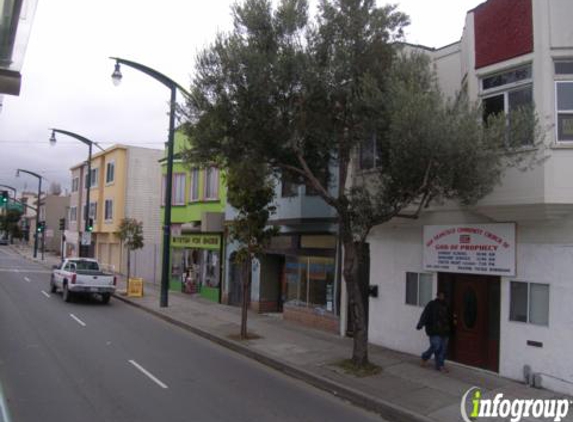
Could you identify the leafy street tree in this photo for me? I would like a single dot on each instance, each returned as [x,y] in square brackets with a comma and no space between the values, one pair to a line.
[299,95]
[9,223]
[250,192]
[131,234]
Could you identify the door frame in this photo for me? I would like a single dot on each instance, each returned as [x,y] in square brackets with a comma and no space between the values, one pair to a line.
[447,284]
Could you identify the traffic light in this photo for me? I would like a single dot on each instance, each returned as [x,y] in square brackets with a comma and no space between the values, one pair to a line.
[91,225]
[41,226]
[4,197]
[62,223]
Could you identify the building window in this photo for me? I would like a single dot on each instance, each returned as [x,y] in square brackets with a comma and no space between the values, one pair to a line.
[93,179]
[73,214]
[211,183]
[509,92]
[564,93]
[110,172]
[178,189]
[108,210]
[289,185]
[93,210]
[529,303]
[75,184]
[194,191]
[310,282]
[564,100]
[418,289]
[369,154]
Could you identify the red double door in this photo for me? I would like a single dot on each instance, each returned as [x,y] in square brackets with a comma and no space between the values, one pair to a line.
[475,304]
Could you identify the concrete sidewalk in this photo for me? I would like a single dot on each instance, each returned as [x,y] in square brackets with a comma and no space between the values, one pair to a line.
[402,391]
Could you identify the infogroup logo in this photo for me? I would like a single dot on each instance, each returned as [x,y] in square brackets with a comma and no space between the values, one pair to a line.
[512,409]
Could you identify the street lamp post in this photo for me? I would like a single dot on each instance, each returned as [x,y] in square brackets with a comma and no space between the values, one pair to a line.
[37,206]
[173,87]
[90,144]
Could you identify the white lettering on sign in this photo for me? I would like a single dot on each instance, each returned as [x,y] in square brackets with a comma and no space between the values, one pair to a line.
[470,248]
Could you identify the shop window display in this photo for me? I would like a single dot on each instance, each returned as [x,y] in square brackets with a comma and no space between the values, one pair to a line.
[310,282]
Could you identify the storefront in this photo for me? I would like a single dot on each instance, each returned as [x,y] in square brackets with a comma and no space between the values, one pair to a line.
[303,269]
[196,264]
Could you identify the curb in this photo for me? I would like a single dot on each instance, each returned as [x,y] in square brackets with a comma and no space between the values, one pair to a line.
[43,263]
[387,410]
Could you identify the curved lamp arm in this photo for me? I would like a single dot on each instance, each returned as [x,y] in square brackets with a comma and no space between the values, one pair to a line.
[80,138]
[168,82]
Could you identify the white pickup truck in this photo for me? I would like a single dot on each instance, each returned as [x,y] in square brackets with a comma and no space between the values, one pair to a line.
[75,276]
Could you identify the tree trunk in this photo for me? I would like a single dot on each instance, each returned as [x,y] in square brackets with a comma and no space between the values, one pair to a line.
[246,284]
[355,255]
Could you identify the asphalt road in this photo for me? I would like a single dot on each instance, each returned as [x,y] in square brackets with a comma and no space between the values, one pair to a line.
[85,361]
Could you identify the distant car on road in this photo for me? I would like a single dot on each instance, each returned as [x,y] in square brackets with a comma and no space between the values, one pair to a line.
[3,241]
[82,276]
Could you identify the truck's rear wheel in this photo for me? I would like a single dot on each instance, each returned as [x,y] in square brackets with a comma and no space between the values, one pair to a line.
[105,298]
[53,287]
[66,294]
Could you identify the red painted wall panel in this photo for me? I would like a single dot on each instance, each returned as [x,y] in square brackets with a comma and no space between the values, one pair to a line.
[503,29]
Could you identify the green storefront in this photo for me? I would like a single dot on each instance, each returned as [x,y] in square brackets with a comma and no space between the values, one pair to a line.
[196,264]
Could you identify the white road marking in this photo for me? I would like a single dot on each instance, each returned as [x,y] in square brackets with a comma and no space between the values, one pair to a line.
[149,374]
[79,321]
[46,294]
[16,270]
[27,279]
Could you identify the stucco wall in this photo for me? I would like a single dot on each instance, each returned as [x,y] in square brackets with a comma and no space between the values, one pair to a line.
[543,256]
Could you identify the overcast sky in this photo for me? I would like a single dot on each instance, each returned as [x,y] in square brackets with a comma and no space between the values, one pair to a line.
[66,75]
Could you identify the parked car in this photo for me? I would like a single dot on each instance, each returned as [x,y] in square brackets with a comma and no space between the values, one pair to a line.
[3,241]
[82,276]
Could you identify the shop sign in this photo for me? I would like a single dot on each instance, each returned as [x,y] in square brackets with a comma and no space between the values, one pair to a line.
[470,248]
[198,241]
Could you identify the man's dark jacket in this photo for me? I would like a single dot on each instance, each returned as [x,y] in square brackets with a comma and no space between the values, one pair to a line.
[436,318]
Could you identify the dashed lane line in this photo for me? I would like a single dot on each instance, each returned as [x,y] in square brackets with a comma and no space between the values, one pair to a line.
[46,294]
[79,321]
[148,374]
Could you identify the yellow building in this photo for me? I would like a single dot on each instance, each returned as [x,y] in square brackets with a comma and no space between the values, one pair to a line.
[125,183]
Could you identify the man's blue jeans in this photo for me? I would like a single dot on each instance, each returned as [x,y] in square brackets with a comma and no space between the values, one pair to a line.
[438,348]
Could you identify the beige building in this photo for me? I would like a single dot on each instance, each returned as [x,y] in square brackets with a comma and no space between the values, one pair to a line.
[125,183]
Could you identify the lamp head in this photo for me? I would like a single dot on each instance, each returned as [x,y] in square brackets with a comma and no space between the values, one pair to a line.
[116,75]
[53,139]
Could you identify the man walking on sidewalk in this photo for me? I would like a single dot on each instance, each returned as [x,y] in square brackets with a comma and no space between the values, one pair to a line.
[437,320]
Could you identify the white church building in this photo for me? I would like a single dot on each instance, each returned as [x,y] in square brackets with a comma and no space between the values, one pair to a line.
[506,263]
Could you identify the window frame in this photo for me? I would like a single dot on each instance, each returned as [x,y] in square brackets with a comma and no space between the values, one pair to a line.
[108,206]
[506,89]
[559,112]
[110,165]
[75,184]
[206,192]
[528,303]
[178,190]
[418,303]
[93,207]
[73,214]
[94,176]
[194,185]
